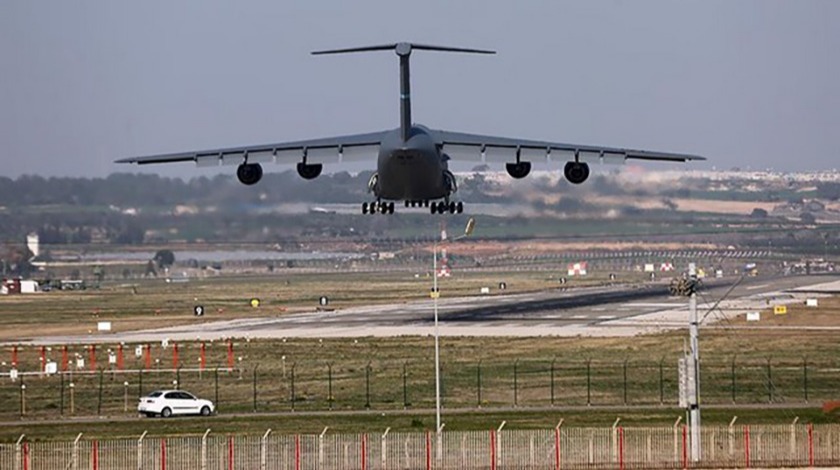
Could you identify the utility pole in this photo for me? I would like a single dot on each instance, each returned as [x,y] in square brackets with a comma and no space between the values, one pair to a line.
[694,369]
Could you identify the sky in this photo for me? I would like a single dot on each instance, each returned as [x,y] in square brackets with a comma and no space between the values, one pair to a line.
[750,84]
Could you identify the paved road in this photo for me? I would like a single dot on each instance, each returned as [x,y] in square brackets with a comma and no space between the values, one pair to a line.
[598,311]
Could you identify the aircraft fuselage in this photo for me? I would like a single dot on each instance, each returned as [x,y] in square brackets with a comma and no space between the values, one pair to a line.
[411,170]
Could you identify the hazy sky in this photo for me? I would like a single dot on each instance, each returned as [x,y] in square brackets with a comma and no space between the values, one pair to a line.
[746,83]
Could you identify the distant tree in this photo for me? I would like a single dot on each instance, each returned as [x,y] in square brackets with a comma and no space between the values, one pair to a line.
[828,191]
[164,259]
[808,218]
[759,213]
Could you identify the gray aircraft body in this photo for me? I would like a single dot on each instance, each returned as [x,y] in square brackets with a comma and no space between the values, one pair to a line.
[413,160]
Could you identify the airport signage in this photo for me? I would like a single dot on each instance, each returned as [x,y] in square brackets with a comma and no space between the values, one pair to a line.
[198,311]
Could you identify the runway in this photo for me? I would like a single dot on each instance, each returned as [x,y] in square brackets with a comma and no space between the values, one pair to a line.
[599,311]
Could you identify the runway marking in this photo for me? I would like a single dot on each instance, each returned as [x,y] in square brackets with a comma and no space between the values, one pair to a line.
[757,287]
[649,304]
[606,317]
[579,317]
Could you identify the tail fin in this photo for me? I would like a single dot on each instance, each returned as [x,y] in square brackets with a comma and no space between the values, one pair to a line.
[403,50]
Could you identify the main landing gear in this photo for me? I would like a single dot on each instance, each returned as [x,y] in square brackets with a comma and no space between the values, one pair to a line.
[444,207]
[378,207]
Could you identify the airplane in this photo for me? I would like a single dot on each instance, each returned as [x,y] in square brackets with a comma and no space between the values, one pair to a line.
[412,160]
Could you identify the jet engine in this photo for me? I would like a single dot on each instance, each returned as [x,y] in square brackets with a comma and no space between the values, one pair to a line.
[518,170]
[249,173]
[576,172]
[309,171]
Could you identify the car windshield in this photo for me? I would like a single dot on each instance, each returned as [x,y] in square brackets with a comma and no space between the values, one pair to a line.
[155,394]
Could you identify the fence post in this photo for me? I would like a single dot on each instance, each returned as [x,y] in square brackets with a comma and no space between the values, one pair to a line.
[625,380]
[478,385]
[139,449]
[557,454]
[684,447]
[163,454]
[621,447]
[321,447]
[367,385]
[61,393]
[793,438]
[95,456]
[732,436]
[492,449]
[140,383]
[216,387]
[732,371]
[661,382]
[428,451]
[364,451]
[329,387]
[811,445]
[515,383]
[384,453]
[22,397]
[747,446]
[230,453]
[588,382]
[297,443]
[769,381]
[292,390]
[553,361]
[254,386]
[99,399]
[204,449]
[264,450]
[805,377]
[405,386]
[74,457]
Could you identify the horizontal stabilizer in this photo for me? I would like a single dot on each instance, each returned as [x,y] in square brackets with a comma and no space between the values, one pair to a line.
[403,49]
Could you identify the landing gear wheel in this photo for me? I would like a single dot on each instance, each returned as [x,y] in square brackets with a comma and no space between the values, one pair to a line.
[433,207]
[452,207]
[364,208]
[459,207]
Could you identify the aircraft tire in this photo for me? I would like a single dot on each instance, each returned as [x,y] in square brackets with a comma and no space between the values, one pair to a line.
[460,207]
[364,208]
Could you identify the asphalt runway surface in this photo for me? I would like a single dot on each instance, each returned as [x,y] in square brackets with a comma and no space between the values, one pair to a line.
[597,311]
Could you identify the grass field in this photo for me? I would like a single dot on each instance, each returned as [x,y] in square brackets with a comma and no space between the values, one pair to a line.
[513,379]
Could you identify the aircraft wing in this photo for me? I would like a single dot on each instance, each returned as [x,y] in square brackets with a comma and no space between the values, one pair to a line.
[325,150]
[461,146]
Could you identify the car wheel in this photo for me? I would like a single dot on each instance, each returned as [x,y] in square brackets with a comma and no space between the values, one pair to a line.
[166,412]
[205,411]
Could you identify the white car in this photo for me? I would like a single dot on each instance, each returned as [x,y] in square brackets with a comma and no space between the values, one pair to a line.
[168,403]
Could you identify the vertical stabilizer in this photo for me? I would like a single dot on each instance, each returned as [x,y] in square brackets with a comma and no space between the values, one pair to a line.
[403,50]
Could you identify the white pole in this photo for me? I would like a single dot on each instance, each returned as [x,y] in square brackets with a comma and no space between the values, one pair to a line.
[694,401]
[435,295]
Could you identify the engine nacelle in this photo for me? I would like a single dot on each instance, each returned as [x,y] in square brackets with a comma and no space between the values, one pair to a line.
[249,173]
[576,172]
[518,170]
[309,171]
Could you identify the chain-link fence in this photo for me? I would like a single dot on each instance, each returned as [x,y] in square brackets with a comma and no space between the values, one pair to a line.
[316,385]
[796,445]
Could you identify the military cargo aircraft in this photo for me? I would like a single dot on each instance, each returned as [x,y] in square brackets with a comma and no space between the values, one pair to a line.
[412,160]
